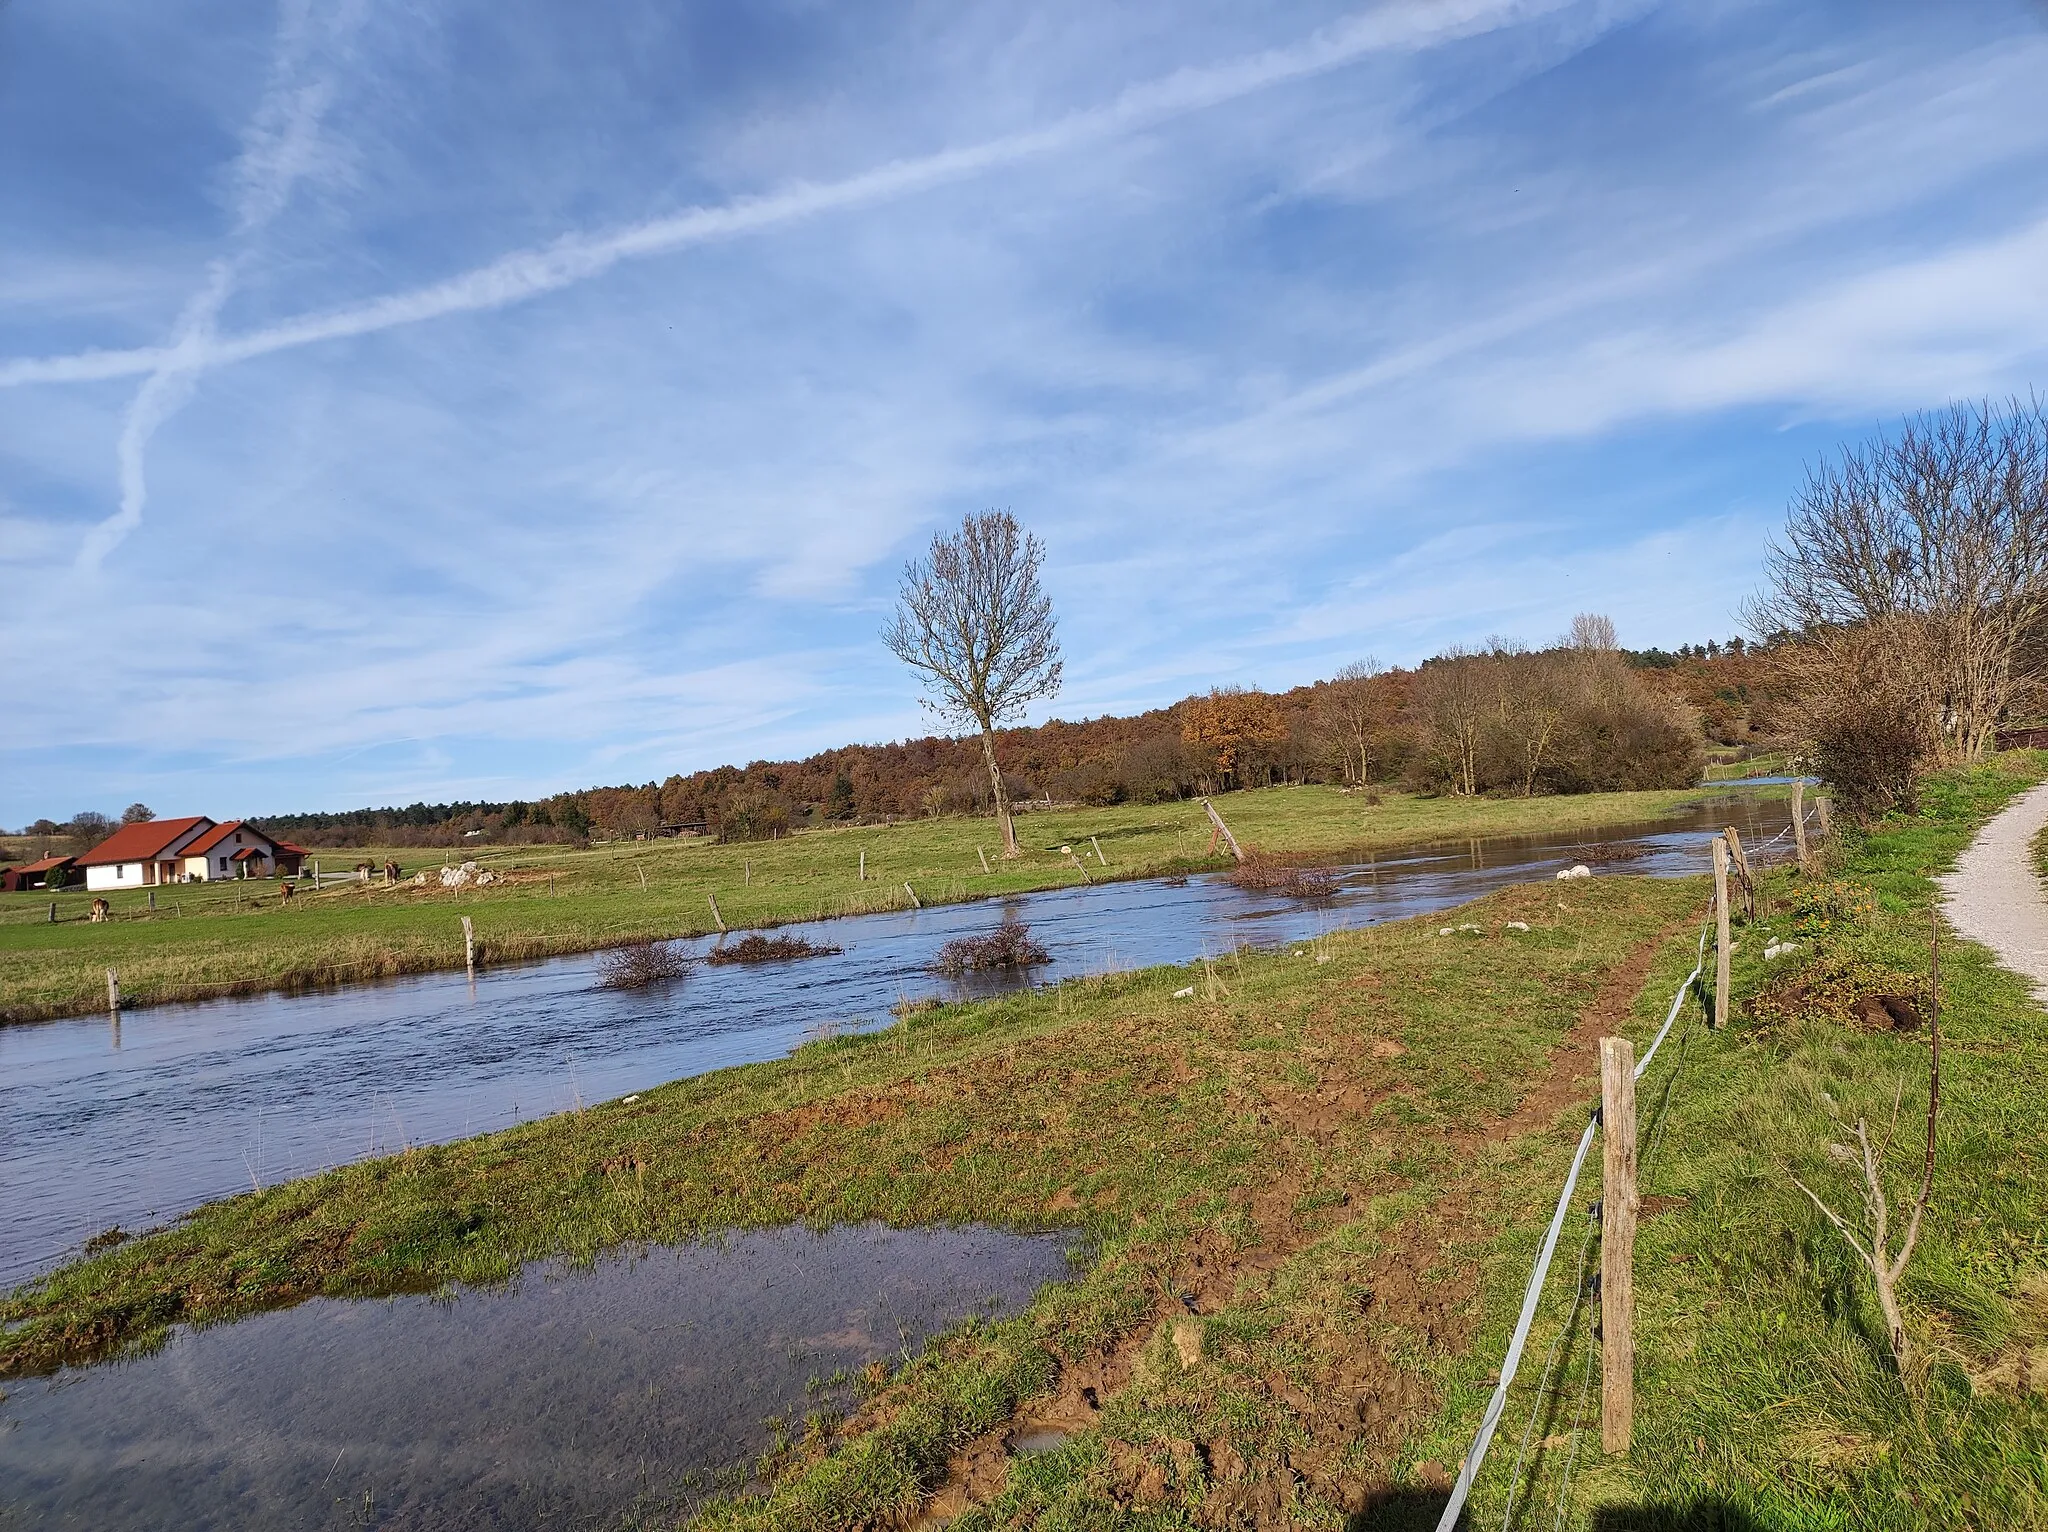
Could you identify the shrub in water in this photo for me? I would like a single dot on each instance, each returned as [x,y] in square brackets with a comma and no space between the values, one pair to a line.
[1008,946]
[767,949]
[1261,876]
[640,964]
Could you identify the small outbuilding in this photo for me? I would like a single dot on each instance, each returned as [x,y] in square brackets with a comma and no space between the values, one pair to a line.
[37,874]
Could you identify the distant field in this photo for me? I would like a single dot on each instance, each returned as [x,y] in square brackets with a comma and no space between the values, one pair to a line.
[209,939]
[1774,764]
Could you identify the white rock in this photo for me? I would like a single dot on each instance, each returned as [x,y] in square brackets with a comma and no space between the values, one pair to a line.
[1185,994]
[629,1100]
[1580,871]
[1446,931]
[1518,925]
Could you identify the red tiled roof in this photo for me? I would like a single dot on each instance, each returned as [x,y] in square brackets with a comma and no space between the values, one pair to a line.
[289,849]
[47,864]
[219,833]
[247,852]
[140,842]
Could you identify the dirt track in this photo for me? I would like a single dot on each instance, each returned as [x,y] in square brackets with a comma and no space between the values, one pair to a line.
[1994,895]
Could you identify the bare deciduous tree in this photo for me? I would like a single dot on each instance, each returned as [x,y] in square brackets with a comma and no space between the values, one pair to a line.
[1593,634]
[1454,695]
[973,619]
[1943,527]
[1533,710]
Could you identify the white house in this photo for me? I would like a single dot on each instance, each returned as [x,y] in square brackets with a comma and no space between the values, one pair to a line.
[141,855]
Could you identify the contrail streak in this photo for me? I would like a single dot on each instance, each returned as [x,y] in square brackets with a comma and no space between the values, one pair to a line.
[526,274]
[280,146]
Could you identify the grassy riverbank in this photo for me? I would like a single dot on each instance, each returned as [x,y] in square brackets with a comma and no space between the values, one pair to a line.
[1317,1185]
[205,940]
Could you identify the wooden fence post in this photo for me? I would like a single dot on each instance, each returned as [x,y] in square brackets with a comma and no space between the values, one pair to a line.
[113,992]
[469,946]
[1741,861]
[1720,932]
[1099,857]
[1823,813]
[152,901]
[1799,820]
[714,909]
[863,866]
[1223,830]
[53,912]
[1617,1242]
[913,896]
[984,858]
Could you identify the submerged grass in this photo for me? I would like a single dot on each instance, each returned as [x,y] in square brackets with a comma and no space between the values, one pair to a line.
[205,940]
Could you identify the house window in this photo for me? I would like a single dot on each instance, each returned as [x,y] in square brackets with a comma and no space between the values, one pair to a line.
[223,864]
[238,837]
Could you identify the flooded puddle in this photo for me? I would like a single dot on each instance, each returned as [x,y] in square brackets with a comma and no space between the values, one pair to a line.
[134,1122]
[603,1398]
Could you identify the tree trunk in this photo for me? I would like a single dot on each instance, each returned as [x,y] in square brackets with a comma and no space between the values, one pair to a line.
[995,778]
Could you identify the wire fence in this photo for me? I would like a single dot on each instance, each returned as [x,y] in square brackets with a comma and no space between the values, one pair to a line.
[1532,1296]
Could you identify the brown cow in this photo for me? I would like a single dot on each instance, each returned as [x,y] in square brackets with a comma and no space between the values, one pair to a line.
[284,893]
[101,910]
[391,872]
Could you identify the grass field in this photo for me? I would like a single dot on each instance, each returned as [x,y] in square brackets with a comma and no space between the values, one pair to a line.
[1316,1187]
[215,939]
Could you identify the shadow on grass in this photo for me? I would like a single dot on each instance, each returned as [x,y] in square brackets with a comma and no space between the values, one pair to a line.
[1417,1510]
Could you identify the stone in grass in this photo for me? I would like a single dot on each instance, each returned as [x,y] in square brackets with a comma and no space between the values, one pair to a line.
[1580,871]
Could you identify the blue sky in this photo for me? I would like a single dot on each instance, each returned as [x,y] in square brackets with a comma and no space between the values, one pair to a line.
[475,400]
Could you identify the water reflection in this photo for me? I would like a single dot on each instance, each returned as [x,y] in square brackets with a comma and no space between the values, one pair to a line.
[581,1399]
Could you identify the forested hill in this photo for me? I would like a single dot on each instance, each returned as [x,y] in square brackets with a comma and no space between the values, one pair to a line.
[1548,721]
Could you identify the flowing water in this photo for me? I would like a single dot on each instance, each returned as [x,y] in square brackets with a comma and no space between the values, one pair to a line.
[611,1397]
[136,1121]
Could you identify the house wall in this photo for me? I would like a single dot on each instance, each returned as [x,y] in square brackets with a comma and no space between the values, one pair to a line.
[115,875]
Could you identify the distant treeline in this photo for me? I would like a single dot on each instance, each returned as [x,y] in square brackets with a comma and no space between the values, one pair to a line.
[1501,720]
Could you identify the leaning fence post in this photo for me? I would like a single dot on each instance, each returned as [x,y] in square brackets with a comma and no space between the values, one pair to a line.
[913,896]
[714,910]
[469,946]
[1617,1242]
[1099,857]
[1799,819]
[1222,829]
[113,992]
[1720,932]
[984,858]
[1740,858]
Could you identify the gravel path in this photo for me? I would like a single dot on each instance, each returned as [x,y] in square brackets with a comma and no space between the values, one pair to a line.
[1995,897]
